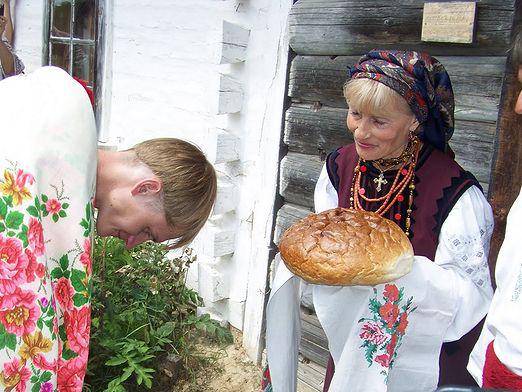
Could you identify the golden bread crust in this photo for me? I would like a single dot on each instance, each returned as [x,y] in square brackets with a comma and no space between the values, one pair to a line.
[346,247]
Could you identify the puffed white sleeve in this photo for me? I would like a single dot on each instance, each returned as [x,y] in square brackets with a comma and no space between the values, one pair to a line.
[325,195]
[463,248]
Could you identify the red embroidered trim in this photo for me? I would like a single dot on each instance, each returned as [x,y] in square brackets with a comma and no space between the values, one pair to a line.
[497,375]
[266,381]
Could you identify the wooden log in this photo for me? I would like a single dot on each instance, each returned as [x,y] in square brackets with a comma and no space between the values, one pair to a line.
[473,144]
[310,376]
[299,173]
[477,82]
[319,78]
[317,132]
[312,329]
[334,27]
[314,344]
[507,167]
[313,352]
[287,215]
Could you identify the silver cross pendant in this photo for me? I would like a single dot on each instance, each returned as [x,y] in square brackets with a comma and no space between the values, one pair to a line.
[380,181]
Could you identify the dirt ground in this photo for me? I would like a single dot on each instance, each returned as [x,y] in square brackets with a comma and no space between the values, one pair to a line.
[232,371]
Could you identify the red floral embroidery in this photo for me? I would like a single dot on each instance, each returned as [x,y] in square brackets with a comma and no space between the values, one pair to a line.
[32,265]
[35,237]
[42,363]
[383,360]
[53,206]
[85,257]
[39,335]
[14,376]
[372,333]
[382,333]
[19,312]
[391,292]
[64,293]
[78,326]
[390,348]
[71,373]
[389,313]
[40,271]
[23,177]
[403,323]
[13,264]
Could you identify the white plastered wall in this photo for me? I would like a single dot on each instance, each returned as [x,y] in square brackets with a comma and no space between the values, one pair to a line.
[170,72]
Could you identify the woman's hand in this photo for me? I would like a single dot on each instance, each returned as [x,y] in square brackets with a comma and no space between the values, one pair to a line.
[3,23]
[6,57]
[6,30]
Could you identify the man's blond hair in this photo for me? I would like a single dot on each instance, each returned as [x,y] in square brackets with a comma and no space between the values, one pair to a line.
[188,181]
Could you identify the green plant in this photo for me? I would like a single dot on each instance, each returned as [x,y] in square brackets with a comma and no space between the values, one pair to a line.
[142,314]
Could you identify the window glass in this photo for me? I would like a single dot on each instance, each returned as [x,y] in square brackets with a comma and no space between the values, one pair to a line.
[61,18]
[73,32]
[84,19]
[83,63]
[60,55]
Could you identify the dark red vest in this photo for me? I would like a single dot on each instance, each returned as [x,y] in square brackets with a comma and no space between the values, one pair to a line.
[439,182]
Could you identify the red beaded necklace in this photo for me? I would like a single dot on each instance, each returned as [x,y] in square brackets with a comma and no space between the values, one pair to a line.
[405,177]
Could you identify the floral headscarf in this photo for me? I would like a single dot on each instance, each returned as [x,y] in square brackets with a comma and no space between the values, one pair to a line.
[422,81]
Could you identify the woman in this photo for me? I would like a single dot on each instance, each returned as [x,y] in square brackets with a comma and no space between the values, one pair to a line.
[388,337]
[10,64]
[46,186]
[160,189]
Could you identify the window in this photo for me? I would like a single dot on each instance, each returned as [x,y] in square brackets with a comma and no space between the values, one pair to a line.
[72,38]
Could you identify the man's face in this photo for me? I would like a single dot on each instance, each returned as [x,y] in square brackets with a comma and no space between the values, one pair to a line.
[518,104]
[132,218]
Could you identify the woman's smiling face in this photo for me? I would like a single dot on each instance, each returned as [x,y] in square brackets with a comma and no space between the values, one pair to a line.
[380,135]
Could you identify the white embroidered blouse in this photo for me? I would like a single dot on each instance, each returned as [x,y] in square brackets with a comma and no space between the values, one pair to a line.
[388,337]
[504,323]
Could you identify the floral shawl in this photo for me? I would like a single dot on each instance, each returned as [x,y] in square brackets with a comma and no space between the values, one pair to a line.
[47,177]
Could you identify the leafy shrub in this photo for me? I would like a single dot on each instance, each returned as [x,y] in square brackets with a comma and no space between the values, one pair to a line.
[143,314]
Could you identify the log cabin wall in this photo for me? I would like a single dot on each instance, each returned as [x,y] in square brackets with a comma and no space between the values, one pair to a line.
[327,36]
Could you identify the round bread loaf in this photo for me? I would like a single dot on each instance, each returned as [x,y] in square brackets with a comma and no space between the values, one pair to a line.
[346,247]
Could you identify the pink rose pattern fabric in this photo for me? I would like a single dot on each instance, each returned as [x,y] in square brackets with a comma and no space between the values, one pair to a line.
[45,309]
[382,333]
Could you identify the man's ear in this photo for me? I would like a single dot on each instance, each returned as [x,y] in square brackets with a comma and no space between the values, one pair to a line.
[149,187]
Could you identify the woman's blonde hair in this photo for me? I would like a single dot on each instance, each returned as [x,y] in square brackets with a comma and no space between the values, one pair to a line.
[370,96]
[188,181]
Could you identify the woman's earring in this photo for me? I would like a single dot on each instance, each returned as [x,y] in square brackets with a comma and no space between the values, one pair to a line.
[413,132]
